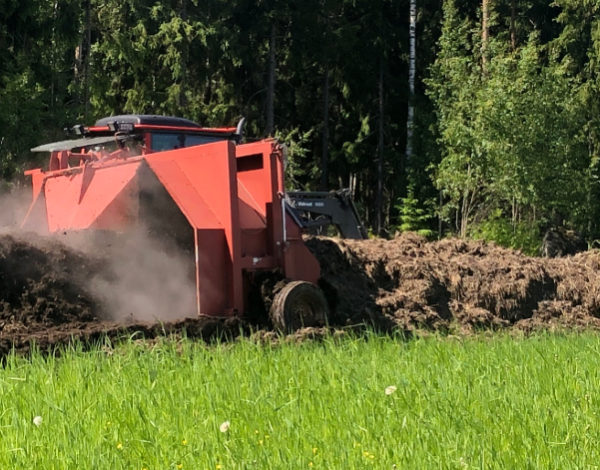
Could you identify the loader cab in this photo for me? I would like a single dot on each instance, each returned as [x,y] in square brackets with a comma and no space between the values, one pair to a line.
[130,135]
[162,133]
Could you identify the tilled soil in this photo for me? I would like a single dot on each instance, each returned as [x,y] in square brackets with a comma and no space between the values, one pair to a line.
[46,298]
[458,285]
[404,284]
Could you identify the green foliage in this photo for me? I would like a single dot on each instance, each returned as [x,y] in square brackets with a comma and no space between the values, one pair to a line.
[454,85]
[521,235]
[209,61]
[413,217]
[518,132]
[22,102]
[533,133]
[512,132]
[296,154]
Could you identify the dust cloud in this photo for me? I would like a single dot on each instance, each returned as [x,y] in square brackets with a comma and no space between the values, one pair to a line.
[144,279]
[14,203]
[136,278]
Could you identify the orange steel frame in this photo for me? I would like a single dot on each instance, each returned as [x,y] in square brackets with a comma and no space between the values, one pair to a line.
[231,195]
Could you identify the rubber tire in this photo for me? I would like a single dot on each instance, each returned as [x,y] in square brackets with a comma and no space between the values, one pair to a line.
[298,304]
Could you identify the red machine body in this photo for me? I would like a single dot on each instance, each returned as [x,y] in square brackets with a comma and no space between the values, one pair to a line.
[128,170]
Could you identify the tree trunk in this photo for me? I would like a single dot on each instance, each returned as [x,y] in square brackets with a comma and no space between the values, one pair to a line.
[411,80]
[184,59]
[439,215]
[82,51]
[485,32]
[53,58]
[271,84]
[379,196]
[325,134]
[513,26]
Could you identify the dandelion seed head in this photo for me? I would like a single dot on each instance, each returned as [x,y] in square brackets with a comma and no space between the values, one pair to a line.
[37,421]
[224,426]
[391,389]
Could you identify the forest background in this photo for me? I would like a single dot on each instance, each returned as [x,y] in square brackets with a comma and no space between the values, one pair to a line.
[503,138]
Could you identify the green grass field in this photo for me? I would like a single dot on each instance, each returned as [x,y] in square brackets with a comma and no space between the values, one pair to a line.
[482,402]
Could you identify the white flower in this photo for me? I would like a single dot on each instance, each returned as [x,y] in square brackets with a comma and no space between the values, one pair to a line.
[224,426]
[37,420]
[391,389]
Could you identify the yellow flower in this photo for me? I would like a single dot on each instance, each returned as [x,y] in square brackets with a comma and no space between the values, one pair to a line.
[184,442]
[315,450]
[310,464]
[179,466]
[260,442]
[219,466]
[119,446]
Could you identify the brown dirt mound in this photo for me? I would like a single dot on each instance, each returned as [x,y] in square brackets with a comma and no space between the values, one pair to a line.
[45,299]
[38,284]
[455,284]
[406,283]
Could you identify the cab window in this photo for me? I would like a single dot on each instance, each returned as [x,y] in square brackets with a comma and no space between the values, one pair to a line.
[167,141]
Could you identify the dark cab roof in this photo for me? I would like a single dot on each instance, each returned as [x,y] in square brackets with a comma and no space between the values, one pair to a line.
[147,119]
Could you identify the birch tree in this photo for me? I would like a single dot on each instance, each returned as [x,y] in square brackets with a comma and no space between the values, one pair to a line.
[411,79]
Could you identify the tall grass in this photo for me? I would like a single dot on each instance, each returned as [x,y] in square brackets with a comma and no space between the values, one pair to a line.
[494,402]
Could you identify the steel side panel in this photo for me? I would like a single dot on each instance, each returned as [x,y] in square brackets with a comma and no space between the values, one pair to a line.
[299,263]
[76,201]
[202,174]
[212,267]
[185,195]
[202,182]
[261,189]
[257,183]
[248,198]
[250,217]
[106,196]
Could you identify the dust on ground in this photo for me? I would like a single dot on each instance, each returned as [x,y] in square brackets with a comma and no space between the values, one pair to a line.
[405,284]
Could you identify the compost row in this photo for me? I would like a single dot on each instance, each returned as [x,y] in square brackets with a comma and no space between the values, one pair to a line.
[405,284]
